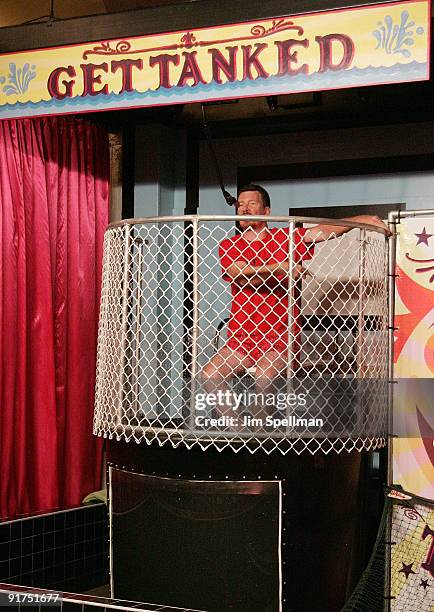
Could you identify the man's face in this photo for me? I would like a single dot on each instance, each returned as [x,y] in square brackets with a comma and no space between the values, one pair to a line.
[250,203]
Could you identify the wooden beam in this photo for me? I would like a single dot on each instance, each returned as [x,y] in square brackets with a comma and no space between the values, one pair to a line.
[116,6]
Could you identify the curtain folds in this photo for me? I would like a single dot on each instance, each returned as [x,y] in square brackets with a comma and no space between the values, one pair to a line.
[54,190]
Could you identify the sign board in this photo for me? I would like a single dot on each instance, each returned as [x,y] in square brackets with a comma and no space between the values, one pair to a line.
[412,556]
[326,50]
[413,452]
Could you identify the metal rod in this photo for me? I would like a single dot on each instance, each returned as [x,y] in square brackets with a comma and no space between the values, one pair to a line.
[195,319]
[361,304]
[110,504]
[137,350]
[268,218]
[412,213]
[392,219]
[360,340]
[124,321]
[291,322]
[391,340]
[102,348]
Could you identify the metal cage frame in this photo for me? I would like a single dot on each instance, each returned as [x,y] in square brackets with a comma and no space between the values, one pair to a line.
[153,275]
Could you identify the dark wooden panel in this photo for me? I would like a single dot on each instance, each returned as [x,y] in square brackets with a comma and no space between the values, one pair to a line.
[128,165]
[341,212]
[115,6]
[320,501]
[345,167]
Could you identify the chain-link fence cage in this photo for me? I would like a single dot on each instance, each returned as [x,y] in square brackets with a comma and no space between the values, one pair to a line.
[400,572]
[272,338]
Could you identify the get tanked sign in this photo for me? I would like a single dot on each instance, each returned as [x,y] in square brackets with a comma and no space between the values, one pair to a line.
[327,50]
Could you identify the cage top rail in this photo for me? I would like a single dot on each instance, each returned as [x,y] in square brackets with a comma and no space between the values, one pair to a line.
[269,218]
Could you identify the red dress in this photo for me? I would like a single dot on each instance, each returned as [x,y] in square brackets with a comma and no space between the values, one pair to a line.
[259,315]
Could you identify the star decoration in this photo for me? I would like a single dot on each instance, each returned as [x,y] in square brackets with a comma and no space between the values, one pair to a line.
[424,584]
[406,569]
[423,237]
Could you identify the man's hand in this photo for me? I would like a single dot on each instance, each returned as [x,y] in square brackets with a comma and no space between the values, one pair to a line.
[263,274]
[371,220]
[322,232]
[282,270]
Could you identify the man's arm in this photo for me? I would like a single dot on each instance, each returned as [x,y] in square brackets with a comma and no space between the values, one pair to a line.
[319,233]
[243,273]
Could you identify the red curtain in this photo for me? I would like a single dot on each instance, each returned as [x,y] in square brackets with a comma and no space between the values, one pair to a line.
[54,190]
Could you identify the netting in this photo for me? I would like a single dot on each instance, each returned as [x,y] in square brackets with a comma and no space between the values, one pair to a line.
[275,340]
[403,557]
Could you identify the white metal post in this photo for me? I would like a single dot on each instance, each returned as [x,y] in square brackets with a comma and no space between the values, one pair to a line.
[195,319]
[124,323]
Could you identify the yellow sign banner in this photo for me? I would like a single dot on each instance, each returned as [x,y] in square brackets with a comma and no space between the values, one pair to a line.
[343,48]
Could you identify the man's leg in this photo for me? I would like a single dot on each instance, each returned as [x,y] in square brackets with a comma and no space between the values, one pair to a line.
[225,364]
[268,367]
[271,364]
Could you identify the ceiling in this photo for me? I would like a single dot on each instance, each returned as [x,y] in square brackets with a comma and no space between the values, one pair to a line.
[17,12]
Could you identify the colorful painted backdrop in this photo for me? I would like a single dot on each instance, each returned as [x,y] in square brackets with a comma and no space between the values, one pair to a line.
[413,456]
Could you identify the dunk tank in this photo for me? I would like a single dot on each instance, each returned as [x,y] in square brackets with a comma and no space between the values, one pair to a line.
[237,487]
[241,484]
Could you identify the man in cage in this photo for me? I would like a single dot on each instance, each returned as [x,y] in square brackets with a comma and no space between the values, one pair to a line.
[256,264]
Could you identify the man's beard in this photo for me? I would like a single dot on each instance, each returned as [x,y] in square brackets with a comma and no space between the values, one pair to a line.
[246,224]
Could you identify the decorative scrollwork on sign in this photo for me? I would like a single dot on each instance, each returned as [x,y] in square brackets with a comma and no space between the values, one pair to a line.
[123,46]
[276,26]
[426,268]
[411,514]
[189,40]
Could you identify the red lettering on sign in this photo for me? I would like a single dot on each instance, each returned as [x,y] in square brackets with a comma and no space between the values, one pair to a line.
[90,79]
[287,57]
[251,59]
[126,66]
[190,70]
[325,46]
[53,83]
[221,64]
[163,61]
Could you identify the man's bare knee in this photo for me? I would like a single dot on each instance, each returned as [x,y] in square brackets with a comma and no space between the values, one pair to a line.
[272,364]
[224,365]
[212,372]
